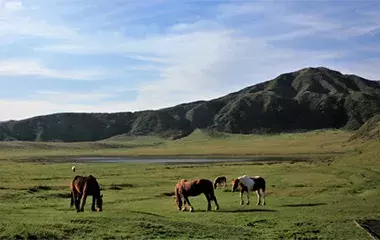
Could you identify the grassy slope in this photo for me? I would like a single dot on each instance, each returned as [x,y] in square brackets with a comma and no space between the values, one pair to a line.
[198,143]
[317,200]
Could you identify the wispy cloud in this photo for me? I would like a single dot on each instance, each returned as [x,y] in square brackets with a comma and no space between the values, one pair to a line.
[189,50]
[34,68]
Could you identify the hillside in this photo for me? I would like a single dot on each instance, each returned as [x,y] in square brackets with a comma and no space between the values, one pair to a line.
[308,99]
[369,130]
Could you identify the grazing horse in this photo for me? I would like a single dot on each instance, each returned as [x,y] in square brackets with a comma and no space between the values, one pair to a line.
[187,188]
[81,187]
[219,180]
[247,184]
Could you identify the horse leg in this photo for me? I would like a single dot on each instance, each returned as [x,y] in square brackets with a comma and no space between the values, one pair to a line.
[212,197]
[264,197]
[72,200]
[258,197]
[208,197]
[188,203]
[93,204]
[248,197]
[77,198]
[84,197]
[184,204]
[241,197]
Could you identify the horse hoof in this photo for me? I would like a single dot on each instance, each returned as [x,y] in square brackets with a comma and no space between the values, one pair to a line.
[183,209]
[241,203]
[191,209]
[217,208]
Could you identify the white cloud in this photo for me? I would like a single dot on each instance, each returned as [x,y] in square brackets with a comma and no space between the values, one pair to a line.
[15,20]
[368,68]
[70,97]
[34,68]
[194,60]
[21,109]
[10,5]
[230,10]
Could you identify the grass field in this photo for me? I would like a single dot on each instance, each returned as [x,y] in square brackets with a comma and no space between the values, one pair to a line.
[199,143]
[307,200]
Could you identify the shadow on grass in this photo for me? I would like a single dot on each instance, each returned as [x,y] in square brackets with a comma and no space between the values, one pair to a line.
[303,205]
[237,210]
[147,213]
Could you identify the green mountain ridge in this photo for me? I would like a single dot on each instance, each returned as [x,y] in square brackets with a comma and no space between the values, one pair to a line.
[307,99]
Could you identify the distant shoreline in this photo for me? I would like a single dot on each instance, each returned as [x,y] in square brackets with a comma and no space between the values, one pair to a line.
[182,158]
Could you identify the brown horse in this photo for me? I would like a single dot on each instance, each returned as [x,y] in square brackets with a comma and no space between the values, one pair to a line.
[81,187]
[219,180]
[247,184]
[187,188]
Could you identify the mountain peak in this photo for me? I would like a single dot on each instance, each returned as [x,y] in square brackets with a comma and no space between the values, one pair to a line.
[307,99]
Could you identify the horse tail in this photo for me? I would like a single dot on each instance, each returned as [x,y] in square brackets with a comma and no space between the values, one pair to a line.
[72,190]
[263,187]
[178,197]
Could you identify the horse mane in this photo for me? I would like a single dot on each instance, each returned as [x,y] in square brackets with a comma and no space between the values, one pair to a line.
[91,177]
[243,177]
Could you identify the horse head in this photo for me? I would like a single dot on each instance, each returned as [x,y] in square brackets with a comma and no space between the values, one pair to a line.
[235,184]
[99,203]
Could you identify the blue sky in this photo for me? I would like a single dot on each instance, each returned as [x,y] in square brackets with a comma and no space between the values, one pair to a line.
[120,55]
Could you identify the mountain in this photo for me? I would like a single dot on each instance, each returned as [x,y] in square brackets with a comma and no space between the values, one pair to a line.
[311,98]
[369,130]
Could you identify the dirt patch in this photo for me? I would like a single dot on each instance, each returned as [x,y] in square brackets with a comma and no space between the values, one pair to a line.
[261,222]
[46,178]
[304,205]
[39,188]
[60,195]
[166,194]
[299,185]
[372,226]
[81,221]
[120,186]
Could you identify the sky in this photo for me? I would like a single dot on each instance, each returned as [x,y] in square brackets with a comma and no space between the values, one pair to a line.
[125,55]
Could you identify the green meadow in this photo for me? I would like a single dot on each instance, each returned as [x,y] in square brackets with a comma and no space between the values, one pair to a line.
[315,199]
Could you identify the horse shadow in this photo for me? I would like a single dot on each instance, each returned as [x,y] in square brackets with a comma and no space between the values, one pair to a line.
[239,210]
[304,205]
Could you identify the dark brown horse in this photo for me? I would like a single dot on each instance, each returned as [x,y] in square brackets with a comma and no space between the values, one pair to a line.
[247,184]
[219,181]
[81,187]
[187,188]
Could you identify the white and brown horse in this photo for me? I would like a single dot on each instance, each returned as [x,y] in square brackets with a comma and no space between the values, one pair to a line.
[247,184]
